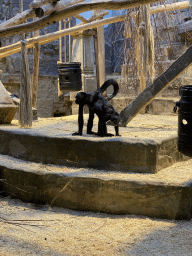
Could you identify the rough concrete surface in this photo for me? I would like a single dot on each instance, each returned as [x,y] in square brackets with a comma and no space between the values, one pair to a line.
[7,107]
[109,190]
[166,194]
[147,145]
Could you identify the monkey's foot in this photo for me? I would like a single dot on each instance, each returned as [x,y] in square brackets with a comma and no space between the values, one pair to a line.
[76,134]
[105,135]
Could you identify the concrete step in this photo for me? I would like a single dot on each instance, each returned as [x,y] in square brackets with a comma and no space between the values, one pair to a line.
[147,145]
[166,194]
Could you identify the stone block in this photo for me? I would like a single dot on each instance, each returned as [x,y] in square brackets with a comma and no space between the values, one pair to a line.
[54,146]
[7,107]
[88,190]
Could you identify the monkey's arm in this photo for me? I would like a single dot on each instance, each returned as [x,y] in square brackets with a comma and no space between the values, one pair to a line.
[80,121]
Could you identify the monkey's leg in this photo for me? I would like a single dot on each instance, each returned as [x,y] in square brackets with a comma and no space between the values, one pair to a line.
[80,121]
[102,128]
[90,122]
[117,130]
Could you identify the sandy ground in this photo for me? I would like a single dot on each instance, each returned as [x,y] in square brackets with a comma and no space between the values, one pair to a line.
[28,229]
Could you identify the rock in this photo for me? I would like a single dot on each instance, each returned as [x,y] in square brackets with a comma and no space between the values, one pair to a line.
[7,107]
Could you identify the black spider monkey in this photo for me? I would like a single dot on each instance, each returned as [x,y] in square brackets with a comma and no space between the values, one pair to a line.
[101,107]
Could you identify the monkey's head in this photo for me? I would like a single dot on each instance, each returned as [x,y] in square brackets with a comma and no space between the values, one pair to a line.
[81,98]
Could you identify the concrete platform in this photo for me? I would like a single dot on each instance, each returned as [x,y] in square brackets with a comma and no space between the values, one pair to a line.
[166,194]
[147,145]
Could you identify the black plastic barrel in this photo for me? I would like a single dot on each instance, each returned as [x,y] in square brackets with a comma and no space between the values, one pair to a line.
[185,120]
[70,76]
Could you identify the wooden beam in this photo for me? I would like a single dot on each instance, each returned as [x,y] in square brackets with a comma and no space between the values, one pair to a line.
[10,49]
[71,11]
[169,7]
[159,84]
[35,77]
[30,13]
[22,17]
[37,4]
[81,18]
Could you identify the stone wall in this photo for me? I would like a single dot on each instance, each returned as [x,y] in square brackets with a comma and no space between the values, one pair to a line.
[47,93]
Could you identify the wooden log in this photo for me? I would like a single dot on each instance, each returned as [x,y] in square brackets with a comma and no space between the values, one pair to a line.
[47,9]
[96,58]
[25,113]
[11,49]
[98,16]
[50,8]
[65,41]
[69,20]
[71,11]
[14,48]
[37,4]
[22,17]
[159,84]
[60,43]
[35,77]
[101,55]
[81,18]
[169,7]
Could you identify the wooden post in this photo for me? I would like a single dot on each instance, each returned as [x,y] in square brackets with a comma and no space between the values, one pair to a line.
[60,44]
[69,19]
[96,58]
[65,41]
[35,77]
[159,84]
[99,42]
[25,114]
[101,54]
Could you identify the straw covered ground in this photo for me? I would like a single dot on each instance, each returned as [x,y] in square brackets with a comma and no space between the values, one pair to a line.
[28,229]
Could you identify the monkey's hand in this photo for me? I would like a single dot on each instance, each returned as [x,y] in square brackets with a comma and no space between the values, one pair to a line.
[76,134]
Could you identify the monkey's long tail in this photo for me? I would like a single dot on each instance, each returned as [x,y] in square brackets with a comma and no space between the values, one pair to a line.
[107,84]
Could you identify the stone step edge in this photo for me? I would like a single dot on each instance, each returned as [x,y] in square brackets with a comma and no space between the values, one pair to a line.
[152,199]
[105,153]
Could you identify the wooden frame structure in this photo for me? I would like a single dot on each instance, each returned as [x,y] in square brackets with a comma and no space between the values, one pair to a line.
[58,12]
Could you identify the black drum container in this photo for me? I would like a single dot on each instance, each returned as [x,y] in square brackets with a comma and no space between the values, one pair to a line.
[70,76]
[185,120]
